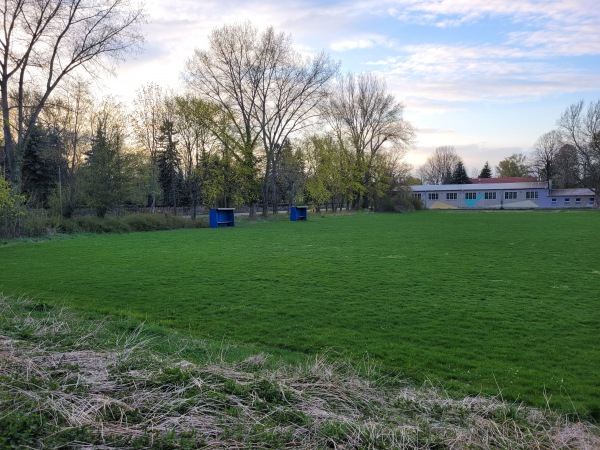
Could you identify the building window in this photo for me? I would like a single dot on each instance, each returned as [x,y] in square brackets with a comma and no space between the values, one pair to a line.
[510,195]
[433,196]
[554,201]
[591,203]
[567,201]
[490,196]
[470,195]
[531,195]
[417,195]
[451,196]
[577,201]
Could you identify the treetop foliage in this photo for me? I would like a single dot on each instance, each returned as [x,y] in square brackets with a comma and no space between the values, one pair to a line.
[513,166]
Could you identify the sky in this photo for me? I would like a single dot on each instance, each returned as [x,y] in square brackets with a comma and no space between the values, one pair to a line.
[487,77]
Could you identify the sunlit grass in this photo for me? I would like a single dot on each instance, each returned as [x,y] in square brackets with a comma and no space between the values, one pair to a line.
[480,302]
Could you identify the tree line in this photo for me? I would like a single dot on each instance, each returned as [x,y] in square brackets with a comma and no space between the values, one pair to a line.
[257,124]
[445,166]
[569,155]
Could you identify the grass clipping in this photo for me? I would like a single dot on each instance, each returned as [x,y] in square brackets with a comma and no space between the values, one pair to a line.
[68,382]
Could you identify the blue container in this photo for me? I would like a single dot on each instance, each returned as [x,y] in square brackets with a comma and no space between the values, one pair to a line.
[222,217]
[298,213]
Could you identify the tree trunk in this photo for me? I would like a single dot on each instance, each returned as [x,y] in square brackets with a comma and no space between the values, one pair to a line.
[9,143]
[265,189]
[193,207]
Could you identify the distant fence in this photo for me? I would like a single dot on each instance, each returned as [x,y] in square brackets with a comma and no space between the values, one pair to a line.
[132,210]
[169,210]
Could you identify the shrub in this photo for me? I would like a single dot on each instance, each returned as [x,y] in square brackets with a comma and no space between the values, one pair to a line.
[94,224]
[22,429]
[157,222]
[176,222]
[417,203]
[145,222]
[35,223]
[11,210]
[399,202]
[67,226]
[386,204]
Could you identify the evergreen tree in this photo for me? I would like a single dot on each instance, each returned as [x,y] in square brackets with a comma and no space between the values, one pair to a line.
[104,178]
[211,173]
[486,172]
[170,175]
[459,175]
[39,172]
[290,174]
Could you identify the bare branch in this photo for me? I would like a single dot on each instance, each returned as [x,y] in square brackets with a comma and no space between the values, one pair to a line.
[581,130]
[45,41]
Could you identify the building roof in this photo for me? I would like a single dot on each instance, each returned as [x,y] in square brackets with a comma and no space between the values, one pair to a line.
[503,180]
[571,192]
[479,187]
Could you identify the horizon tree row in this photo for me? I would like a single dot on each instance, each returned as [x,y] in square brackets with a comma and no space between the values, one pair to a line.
[85,153]
[270,93]
[43,45]
[240,134]
[569,155]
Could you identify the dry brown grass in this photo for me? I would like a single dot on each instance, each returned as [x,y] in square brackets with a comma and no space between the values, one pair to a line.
[127,397]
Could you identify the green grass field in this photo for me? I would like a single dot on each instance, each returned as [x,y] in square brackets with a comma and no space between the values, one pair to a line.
[480,302]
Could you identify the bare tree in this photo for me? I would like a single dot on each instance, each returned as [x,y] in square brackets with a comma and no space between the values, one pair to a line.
[439,167]
[290,88]
[71,113]
[194,122]
[228,74]
[361,110]
[44,41]
[545,151]
[147,118]
[269,91]
[581,129]
[567,170]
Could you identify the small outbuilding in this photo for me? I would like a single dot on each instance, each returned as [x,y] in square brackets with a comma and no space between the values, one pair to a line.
[222,217]
[298,213]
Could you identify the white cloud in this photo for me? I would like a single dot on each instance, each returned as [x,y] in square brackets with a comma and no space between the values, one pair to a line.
[568,27]
[362,42]
[471,10]
[440,76]
[463,73]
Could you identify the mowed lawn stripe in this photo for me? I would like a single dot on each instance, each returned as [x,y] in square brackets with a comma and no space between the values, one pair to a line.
[478,301]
